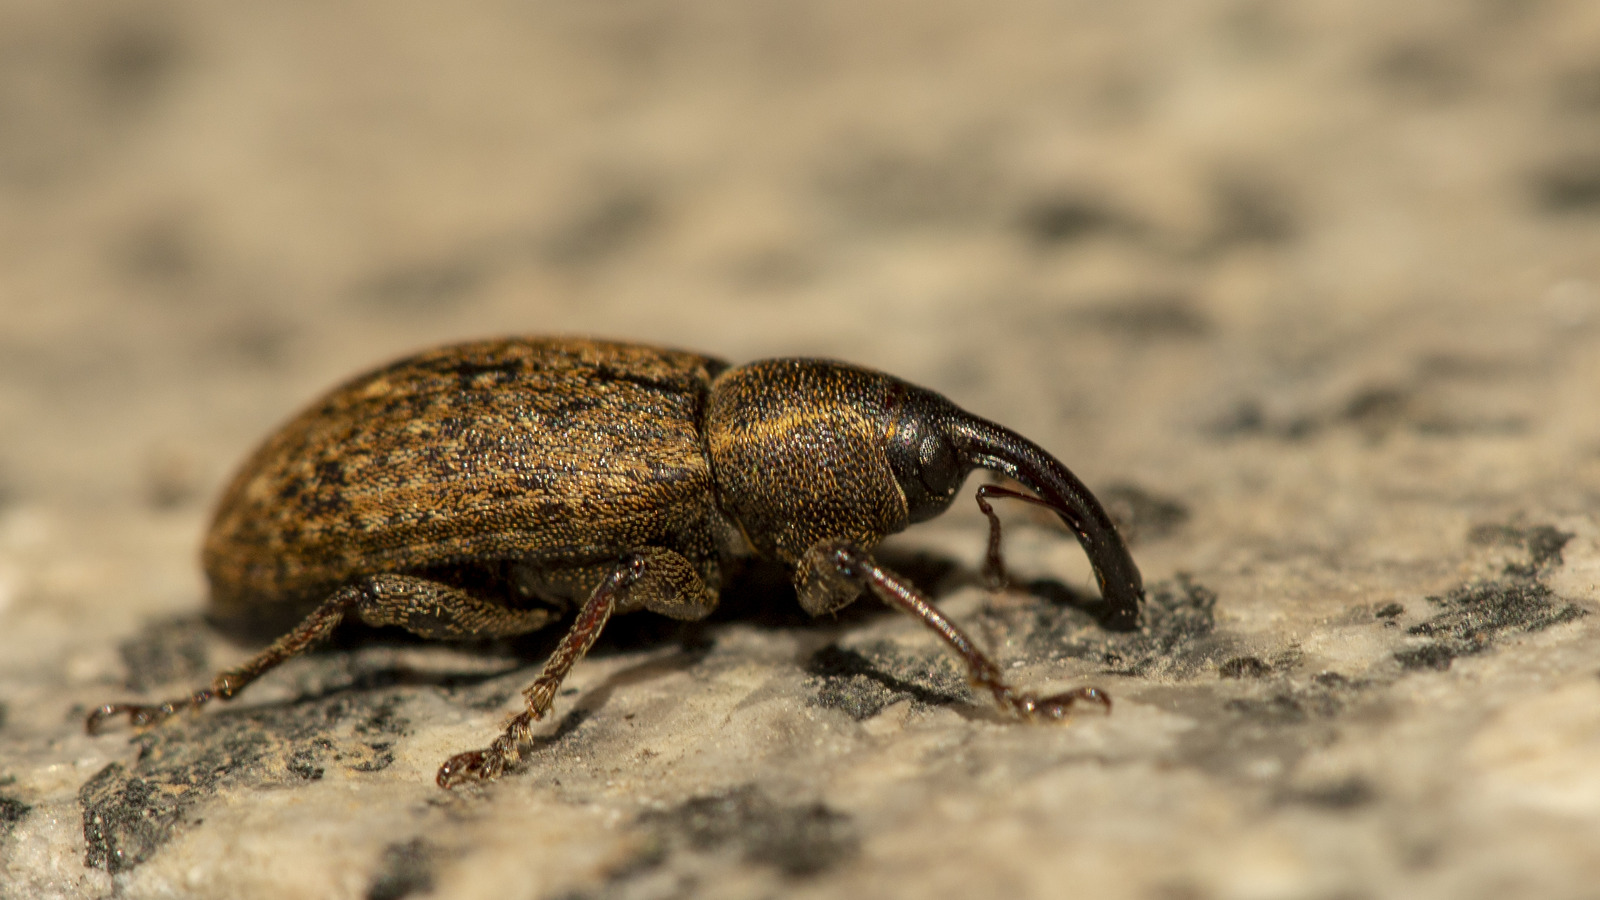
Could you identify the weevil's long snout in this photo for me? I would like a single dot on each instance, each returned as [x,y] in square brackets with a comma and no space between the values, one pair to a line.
[990,446]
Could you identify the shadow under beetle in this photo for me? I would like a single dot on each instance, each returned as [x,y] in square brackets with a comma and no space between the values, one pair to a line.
[611,477]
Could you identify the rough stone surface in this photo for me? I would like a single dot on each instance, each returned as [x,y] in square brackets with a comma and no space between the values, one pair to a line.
[1310,292]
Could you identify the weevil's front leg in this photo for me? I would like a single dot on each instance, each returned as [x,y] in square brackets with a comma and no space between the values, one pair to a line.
[658,580]
[838,570]
[423,607]
[994,565]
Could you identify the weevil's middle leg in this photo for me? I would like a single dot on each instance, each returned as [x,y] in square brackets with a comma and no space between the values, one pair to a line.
[658,580]
[856,566]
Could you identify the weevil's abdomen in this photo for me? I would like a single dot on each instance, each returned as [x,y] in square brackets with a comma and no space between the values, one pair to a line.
[558,452]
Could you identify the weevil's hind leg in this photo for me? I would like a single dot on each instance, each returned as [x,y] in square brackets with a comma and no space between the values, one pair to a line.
[835,572]
[427,608]
[658,580]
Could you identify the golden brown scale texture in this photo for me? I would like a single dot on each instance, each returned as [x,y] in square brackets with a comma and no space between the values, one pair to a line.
[770,419]
[559,453]
[614,477]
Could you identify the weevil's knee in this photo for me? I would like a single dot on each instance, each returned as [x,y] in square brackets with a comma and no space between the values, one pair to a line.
[824,581]
[669,585]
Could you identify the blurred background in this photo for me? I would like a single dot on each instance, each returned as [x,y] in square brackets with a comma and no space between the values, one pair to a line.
[209,213]
[1321,277]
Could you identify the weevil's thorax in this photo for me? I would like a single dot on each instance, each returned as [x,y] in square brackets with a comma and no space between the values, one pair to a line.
[799,453]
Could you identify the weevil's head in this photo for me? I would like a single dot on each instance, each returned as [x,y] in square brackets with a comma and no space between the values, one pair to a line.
[805,450]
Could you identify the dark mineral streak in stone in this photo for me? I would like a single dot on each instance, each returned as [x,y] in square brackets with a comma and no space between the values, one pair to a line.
[12,811]
[131,811]
[800,840]
[163,652]
[862,683]
[1474,615]
[1177,635]
[404,870]
[1244,667]
[1141,515]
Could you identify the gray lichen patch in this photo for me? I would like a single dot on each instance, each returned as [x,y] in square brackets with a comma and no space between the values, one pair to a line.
[1474,615]
[1324,696]
[1543,544]
[1142,515]
[1245,667]
[404,870]
[1251,733]
[165,651]
[12,811]
[740,837]
[131,811]
[1337,795]
[1176,638]
[861,683]
[799,840]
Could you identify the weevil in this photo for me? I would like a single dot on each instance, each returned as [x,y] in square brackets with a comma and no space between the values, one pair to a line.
[606,477]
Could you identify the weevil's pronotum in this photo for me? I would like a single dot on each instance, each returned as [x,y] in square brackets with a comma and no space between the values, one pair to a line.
[607,477]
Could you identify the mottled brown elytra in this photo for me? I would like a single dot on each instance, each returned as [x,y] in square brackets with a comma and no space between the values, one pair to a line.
[608,477]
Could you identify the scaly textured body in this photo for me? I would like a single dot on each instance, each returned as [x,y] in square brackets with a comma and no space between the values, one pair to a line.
[481,490]
[558,454]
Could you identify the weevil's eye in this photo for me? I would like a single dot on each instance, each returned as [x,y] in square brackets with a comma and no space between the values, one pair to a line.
[938,468]
[929,471]
[926,461]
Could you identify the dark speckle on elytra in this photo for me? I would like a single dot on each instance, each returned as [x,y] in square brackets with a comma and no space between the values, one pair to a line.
[302,762]
[1293,701]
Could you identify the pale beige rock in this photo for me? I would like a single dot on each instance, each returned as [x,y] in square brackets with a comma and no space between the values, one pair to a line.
[1324,275]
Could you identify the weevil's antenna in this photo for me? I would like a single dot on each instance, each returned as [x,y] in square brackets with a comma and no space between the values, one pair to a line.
[991,446]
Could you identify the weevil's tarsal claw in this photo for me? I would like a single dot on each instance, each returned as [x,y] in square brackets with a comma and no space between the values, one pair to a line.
[492,761]
[474,765]
[96,721]
[142,716]
[1031,707]
[852,563]
[1059,706]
